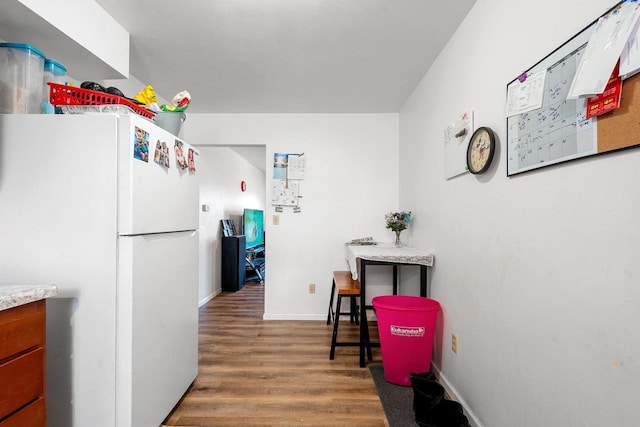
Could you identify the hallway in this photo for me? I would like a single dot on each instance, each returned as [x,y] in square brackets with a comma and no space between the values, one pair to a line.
[274,373]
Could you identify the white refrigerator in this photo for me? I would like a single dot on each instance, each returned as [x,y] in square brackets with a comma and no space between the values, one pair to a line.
[83,207]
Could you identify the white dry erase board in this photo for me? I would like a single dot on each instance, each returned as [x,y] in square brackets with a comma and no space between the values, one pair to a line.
[559,131]
[456,141]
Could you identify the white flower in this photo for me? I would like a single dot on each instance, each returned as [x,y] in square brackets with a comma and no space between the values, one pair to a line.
[398,221]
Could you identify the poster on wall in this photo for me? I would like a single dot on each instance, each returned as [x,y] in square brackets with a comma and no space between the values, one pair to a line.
[288,166]
[280,163]
[288,171]
[284,193]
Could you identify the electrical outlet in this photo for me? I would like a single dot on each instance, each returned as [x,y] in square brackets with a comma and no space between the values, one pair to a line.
[454,343]
[312,288]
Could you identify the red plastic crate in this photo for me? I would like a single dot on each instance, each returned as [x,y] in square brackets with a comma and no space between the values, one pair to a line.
[70,95]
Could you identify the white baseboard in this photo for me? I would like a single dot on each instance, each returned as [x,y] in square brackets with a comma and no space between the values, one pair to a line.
[451,390]
[268,316]
[208,298]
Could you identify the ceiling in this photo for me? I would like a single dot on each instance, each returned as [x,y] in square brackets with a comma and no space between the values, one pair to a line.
[286,56]
[266,56]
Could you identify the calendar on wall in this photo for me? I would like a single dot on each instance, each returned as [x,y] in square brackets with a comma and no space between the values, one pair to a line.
[565,108]
[556,132]
[288,171]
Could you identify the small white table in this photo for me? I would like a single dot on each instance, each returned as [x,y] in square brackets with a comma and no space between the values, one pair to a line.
[359,257]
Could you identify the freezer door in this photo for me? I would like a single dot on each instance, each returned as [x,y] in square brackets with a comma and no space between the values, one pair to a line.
[157,343]
[158,188]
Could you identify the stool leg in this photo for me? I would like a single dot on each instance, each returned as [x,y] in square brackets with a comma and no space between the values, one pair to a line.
[336,321]
[331,314]
[353,311]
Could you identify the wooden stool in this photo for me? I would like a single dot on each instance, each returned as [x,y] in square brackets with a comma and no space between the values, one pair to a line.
[345,286]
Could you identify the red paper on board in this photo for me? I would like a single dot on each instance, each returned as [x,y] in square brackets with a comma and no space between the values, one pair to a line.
[609,99]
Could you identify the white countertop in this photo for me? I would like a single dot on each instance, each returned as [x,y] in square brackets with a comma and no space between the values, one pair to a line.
[16,295]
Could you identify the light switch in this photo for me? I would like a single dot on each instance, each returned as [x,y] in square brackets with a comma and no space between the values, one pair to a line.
[276,220]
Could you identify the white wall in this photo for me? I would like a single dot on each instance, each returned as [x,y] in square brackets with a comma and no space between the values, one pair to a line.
[221,171]
[538,273]
[351,182]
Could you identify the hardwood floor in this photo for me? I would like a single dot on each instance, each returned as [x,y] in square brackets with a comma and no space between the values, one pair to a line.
[275,373]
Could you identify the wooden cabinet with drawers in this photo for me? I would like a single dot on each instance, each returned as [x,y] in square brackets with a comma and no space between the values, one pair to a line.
[22,365]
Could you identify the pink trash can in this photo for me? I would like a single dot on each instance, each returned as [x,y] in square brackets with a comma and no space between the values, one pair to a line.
[406,325]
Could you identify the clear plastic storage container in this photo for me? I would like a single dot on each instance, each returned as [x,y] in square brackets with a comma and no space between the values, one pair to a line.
[54,72]
[21,70]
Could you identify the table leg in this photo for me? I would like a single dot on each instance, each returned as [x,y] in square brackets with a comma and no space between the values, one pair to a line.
[423,281]
[395,279]
[363,323]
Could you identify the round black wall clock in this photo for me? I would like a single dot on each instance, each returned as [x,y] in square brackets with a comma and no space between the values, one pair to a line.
[481,149]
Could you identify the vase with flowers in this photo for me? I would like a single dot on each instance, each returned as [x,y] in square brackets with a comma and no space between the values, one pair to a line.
[398,221]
